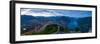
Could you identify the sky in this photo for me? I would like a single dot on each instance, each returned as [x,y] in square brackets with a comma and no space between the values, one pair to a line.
[55,12]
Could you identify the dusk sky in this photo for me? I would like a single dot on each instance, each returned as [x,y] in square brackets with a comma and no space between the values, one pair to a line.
[55,12]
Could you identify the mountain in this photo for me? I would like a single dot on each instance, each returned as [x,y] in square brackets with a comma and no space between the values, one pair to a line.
[83,23]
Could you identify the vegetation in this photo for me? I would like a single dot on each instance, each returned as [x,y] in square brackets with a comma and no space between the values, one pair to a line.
[77,30]
[48,30]
[66,30]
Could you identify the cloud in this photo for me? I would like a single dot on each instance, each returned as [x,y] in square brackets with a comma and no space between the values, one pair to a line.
[24,11]
[53,12]
[46,13]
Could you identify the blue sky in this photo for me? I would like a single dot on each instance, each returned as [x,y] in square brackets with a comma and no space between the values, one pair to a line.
[55,12]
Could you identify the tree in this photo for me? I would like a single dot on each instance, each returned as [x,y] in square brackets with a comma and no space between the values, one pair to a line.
[77,29]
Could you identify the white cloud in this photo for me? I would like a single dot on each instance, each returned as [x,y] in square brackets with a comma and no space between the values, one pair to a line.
[24,11]
[45,14]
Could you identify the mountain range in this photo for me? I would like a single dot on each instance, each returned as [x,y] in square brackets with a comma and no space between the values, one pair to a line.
[84,23]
